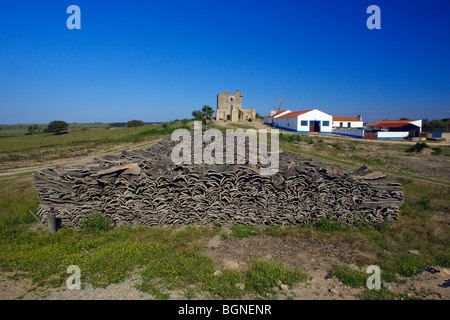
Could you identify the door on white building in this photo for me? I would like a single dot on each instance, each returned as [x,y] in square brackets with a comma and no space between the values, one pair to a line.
[314,126]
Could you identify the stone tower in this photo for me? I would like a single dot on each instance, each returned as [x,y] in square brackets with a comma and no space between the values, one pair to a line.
[229,105]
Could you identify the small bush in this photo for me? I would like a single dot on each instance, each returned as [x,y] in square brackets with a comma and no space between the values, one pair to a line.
[436,151]
[419,146]
[135,123]
[57,126]
[290,137]
[96,222]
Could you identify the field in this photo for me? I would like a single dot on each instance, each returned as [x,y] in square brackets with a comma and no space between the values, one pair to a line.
[323,261]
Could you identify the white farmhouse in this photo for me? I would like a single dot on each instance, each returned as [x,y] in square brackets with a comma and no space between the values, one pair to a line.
[348,122]
[273,115]
[395,129]
[305,121]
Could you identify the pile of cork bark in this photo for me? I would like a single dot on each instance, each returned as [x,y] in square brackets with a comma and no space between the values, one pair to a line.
[144,187]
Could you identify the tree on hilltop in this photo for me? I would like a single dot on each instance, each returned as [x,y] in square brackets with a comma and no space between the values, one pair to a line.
[135,123]
[205,115]
[34,129]
[57,126]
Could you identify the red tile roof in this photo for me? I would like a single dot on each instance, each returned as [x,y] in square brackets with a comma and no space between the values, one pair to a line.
[293,114]
[275,114]
[345,119]
[390,123]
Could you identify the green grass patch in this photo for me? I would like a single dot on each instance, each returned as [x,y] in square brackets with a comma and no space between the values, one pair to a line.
[184,268]
[289,137]
[96,223]
[350,277]
[44,147]
[328,225]
[264,276]
[382,294]
[407,264]
[437,151]
[165,128]
[15,203]
[240,232]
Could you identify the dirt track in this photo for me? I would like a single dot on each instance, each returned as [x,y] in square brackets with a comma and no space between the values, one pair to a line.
[79,160]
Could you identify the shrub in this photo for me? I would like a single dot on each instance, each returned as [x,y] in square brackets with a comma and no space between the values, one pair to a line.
[96,222]
[436,151]
[290,137]
[419,146]
[57,126]
[34,129]
[135,123]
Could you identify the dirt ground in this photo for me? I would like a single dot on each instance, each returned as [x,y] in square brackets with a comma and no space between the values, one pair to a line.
[314,258]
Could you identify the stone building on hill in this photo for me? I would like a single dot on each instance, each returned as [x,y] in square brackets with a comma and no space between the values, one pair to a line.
[229,107]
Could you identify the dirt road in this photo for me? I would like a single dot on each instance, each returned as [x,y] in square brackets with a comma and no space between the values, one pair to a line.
[79,160]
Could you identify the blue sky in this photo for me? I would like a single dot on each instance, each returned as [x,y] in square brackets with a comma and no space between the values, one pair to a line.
[160,60]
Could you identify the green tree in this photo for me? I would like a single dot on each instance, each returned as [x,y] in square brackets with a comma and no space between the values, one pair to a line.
[207,112]
[57,126]
[135,123]
[205,115]
[197,114]
[34,129]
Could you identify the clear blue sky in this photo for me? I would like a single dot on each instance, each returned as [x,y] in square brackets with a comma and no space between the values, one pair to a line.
[160,60]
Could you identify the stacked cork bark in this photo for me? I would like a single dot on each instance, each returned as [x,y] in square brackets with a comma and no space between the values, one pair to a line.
[144,187]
